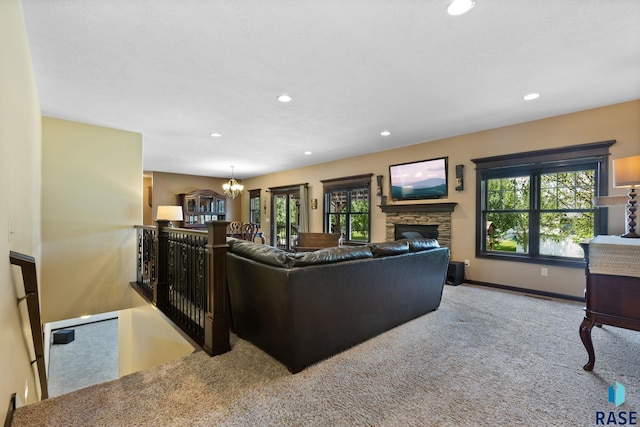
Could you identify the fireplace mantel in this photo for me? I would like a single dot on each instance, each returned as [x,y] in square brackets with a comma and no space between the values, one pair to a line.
[421,207]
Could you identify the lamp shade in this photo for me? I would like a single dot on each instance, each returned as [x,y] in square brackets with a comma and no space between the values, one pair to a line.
[626,172]
[169,213]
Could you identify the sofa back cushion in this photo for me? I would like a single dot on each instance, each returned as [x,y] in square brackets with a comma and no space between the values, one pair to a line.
[280,258]
[261,253]
[419,245]
[329,255]
[389,248]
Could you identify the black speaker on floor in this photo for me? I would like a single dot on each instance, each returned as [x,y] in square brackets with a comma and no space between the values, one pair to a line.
[64,336]
[455,273]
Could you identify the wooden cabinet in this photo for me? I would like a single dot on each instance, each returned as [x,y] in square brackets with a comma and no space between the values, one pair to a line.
[200,207]
[613,287]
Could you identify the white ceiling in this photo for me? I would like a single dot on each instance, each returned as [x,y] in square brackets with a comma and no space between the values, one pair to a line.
[176,71]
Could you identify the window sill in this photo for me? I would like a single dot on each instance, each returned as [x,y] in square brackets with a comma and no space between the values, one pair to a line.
[557,261]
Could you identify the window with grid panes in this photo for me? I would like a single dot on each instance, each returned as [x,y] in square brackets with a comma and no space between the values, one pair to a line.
[347,207]
[539,206]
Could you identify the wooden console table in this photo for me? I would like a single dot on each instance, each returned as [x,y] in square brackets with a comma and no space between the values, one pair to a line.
[613,287]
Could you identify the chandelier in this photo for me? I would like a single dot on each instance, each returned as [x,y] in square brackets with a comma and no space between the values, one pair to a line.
[232,188]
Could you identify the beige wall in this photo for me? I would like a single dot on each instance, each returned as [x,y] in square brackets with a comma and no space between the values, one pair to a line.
[167,186]
[20,157]
[620,122]
[92,198]
[146,338]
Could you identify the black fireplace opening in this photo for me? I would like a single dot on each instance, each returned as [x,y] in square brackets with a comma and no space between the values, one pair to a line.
[425,230]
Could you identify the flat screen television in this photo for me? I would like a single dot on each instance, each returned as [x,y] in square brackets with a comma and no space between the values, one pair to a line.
[425,179]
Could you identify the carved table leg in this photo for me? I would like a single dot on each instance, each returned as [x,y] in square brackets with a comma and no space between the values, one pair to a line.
[585,336]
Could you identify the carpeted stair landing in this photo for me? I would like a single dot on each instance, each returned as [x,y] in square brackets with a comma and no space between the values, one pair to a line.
[485,358]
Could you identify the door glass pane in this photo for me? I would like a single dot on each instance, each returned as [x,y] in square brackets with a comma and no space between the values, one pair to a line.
[285,219]
[280,211]
[294,202]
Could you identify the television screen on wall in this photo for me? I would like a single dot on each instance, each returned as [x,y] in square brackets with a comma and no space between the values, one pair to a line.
[426,179]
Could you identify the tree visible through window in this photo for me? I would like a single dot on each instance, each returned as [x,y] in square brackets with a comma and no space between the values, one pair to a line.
[508,214]
[347,203]
[566,212]
[539,206]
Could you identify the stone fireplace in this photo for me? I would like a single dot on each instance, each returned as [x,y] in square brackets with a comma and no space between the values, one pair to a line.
[426,216]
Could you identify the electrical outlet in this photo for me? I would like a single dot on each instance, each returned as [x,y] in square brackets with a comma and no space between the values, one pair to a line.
[544,271]
[466,263]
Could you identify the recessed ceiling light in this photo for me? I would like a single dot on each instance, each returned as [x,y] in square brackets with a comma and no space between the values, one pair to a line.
[385,133]
[458,7]
[308,152]
[531,96]
[284,98]
[215,134]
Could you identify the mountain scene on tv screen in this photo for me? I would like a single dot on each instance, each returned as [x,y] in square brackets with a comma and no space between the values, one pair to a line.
[426,189]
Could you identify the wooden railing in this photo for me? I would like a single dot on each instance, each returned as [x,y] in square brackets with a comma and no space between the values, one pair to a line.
[146,263]
[183,272]
[30,279]
[184,300]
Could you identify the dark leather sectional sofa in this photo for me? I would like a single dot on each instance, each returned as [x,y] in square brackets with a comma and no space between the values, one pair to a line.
[302,308]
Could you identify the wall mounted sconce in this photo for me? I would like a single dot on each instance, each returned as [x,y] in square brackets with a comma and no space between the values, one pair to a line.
[459,179]
[314,203]
[379,181]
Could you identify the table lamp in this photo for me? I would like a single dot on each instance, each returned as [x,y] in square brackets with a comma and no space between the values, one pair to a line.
[626,173]
[169,213]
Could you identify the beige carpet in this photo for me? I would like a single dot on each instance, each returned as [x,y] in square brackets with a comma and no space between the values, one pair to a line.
[91,358]
[486,357]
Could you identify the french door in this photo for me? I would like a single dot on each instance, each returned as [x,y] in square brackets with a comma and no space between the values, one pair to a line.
[285,217]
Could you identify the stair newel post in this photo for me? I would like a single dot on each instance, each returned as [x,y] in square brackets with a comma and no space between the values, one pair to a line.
[216,325]
[161,285]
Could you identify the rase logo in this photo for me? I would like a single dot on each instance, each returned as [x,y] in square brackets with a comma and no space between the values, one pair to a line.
[616,395]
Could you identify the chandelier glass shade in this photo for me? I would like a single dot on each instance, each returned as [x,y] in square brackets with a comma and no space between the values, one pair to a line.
[232,188]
